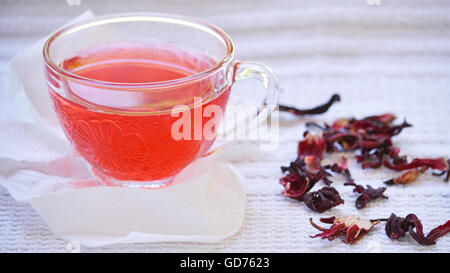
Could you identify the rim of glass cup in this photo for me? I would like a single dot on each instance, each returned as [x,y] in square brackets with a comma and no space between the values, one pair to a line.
[150,17]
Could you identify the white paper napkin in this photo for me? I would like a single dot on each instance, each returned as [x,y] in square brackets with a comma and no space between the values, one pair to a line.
[37,165]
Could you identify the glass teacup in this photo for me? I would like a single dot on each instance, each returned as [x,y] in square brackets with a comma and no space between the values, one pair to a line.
[128,88]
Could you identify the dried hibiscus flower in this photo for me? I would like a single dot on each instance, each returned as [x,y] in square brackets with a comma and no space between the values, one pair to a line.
[397,227]
[312,145]
[298,181]
[313,111]
[372,137]
[367,194]
[306,171]
[352,227]
[323,199]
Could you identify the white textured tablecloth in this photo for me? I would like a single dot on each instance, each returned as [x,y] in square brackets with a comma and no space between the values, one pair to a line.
[394,57]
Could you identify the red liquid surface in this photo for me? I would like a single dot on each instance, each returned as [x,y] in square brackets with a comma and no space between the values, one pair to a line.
[134,142]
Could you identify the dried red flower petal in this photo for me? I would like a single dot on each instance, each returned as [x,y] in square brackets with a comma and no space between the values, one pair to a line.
[300,179]
[297,182]
[380,125]
[444,172]
[342,163]
[341,166]
[439,164]
[352,227]
[313,111]
[312,163]
[312,145]
[323,199]
[339,124]
[397,227]
[406,177]
[384,119]
[306,170]
[439,231]
[340,140]
[367,194]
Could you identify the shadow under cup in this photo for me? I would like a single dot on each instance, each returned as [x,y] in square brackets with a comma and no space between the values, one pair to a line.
[140,96]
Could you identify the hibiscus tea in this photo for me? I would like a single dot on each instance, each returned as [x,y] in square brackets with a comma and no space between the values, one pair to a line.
[126,134]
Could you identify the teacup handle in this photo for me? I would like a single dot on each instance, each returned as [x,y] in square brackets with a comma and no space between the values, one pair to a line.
[261,72]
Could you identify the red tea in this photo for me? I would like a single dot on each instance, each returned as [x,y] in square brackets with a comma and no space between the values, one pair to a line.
[126,134]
